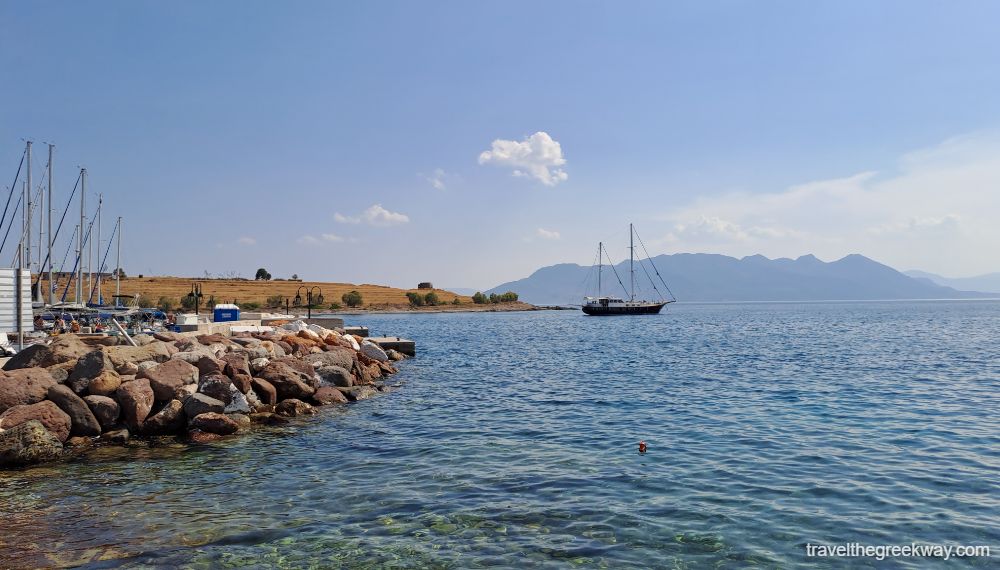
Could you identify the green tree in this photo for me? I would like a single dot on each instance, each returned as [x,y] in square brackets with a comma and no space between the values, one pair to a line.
[165,303]
[432,299]
[352,299]
[479,298]
[415,299]
[262,275]
[456,301]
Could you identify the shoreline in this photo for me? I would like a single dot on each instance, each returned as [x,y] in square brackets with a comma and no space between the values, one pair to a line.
[60,400]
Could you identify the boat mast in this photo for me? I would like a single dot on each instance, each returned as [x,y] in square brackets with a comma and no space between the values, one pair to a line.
[100,206]
[79,242]
[52,292]
[118,265]
[600,247]
[631,256]
[26,215]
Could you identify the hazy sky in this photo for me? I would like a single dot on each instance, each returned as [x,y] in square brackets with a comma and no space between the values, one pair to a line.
[469,143]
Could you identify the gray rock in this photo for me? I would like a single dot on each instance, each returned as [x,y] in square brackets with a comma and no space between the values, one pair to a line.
[238,402]
[28,443]
[142,339]
[88,367]
[258,364]
[374,351]
[198,404]
[332,375]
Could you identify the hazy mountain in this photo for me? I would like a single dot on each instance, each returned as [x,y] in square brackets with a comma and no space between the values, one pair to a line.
[988,282]
[710,277]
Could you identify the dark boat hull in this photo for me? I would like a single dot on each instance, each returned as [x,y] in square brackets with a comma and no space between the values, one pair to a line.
[646,309]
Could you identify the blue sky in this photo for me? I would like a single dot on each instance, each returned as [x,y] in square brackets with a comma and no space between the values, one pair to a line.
[231,134]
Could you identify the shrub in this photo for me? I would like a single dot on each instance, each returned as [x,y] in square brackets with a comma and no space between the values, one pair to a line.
[456,301]
[432,299]
[210,303]
[187,302]
[508,297]
[250,306]
[415,299]
[334,306]
[274,301]
[352,299]
[143,301]
[165,303]
[479,298]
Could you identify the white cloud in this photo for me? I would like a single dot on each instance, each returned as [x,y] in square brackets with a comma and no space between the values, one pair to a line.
[332,237]
[547,234]
[245,240]
[308,240]
[375,215]
[937,211]
[437,179]
[538,156]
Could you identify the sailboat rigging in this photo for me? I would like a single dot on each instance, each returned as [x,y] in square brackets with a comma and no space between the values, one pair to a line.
[602,305]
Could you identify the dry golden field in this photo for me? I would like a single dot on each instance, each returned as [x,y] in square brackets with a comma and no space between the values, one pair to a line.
[229,290]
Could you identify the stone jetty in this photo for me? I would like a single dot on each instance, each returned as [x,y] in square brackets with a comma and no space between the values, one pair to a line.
[74,392]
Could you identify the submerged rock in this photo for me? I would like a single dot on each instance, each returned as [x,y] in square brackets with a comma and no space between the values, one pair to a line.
[294,407]
[27,443]
[212,422]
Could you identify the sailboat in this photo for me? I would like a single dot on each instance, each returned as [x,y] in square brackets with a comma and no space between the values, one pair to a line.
[606,305]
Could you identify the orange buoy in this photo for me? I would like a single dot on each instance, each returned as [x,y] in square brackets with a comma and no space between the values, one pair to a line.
[642,447]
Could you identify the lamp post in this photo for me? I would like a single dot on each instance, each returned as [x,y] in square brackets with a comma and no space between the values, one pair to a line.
[309,298]
[196,295]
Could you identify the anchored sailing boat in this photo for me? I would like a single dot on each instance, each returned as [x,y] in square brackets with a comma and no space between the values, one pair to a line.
[605,305]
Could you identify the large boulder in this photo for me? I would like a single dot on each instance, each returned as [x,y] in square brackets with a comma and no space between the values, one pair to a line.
[167,377]
[374,351]
[157,351]
[24,386]
[327,395]
[294,407]
[31,357]
[236,363]
[208,365]
[104,384]
[167,336]
[238,402]
[47,412]
[136,400]
[105,409]
[27,443]
[169,420]
[335,356]
[197,404]
[265,391]
[332,375]
[288,382]
[212,422]
[82,420]
[87,367]
[244,382]
[217,386]
[142,339]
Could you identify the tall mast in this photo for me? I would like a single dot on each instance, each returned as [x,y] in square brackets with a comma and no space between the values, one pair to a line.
[52,292]
[118,263]
[631,256]
[26,236]
[600,247]
[100,206]
[79,242]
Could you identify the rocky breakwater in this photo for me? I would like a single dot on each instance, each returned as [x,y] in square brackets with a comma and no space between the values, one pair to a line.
[75,392]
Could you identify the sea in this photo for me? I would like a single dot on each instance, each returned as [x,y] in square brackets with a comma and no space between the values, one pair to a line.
[512,440]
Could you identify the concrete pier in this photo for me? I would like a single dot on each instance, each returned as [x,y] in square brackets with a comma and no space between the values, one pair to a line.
[358,330]
[406,346]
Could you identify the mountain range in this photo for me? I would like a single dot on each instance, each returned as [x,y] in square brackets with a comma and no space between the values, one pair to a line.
[712,277]
[988,282]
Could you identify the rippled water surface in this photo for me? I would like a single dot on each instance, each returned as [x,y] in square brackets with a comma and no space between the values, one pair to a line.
[513,442]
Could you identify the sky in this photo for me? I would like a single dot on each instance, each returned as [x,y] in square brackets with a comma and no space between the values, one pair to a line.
[470,143]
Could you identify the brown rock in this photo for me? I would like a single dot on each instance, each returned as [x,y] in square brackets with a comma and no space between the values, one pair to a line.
[198,404]
[243,382]
[285,347]
[327,395]
[306,370]
[166,378]
[287,382]
[65,348]
[82,420]
[236,363]
[217,386]
[156,351]
[87,367]
[268,418]
[136,401]
[167,336]
[201,437]
[117,436]
[104,384]
[105,409]
[170,420]
[31,357]
[27,443]
[294,407]
[265,391]
[208,365]
[334,356]
[24,386]
[47,412]
[212,422]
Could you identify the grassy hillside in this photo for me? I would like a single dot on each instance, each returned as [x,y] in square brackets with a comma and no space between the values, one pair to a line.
[229,290]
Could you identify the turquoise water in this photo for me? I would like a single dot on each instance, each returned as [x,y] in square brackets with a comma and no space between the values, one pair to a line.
[513,442]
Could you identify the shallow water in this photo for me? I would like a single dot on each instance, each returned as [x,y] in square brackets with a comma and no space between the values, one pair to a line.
[514,443]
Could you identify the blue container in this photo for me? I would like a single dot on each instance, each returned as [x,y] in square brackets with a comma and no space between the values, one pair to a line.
[226,313]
